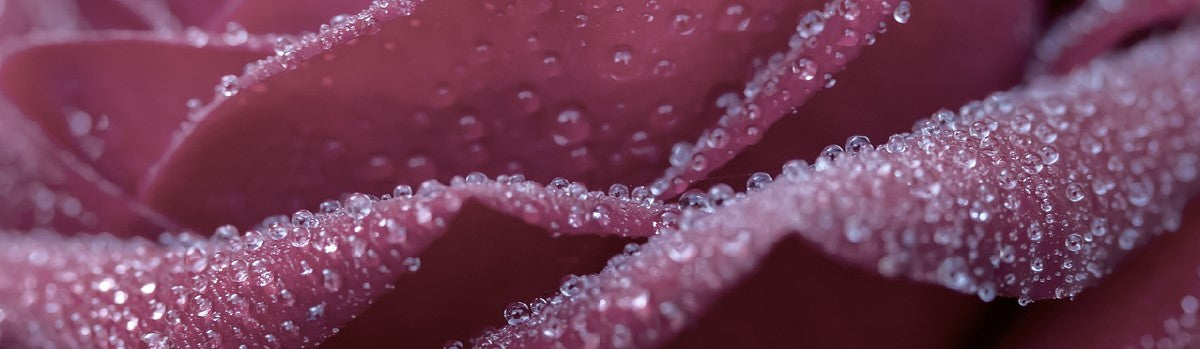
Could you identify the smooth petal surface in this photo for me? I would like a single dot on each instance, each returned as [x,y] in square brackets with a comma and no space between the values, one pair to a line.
[1099,26]
[46,188]
[935,205]
[297,16]
[115,98]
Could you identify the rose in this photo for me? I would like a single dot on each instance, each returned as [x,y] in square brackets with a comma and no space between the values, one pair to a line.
[676,278]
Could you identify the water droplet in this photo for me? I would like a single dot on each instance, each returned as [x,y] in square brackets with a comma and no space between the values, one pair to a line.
[333,281]
[1074,242]
[858,144]
[358,205]
[316,311]
[413,264]
[758,181]
[402,191]
[516,313]
[330,206]
[902,12]
[1075,192]
[810,25]
[697,200]
[572,285]
[228,86]
[202,306]
[253,240]
[235,34]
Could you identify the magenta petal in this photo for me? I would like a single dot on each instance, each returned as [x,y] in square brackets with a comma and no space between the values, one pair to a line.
[114,98]
[288,284]
[1099,26]
[392,107]
[1034,193]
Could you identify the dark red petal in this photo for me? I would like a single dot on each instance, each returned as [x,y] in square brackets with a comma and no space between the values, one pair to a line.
[959,203]
[391,107]
[1149,301]
[1099,26]
[288,284]
[115,99]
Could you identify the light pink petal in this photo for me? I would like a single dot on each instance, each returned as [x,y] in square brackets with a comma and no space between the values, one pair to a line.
[286,284]
[995,211]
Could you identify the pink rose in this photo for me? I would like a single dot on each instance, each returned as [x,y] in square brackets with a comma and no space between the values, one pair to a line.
[598,173]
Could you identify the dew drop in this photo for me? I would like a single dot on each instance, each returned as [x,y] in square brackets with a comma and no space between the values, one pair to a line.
[572,285]
[1074,242]
[358,205]
[228,86]
[758,181]
[1075,192]
[902,12]
[516,313]
[402,191]
[858,144]
[333,281]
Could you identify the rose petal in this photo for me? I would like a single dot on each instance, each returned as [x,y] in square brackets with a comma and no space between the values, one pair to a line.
[285,284]
[823,42]
[46,188]
[1097,27]
[1154,292]
[799,297]
[114,98]
[946,55]
[266,16]
[931,206]
[390,107]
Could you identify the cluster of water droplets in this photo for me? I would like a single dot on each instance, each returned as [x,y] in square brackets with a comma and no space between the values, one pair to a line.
[976,200]
[341,256]
[292,50]
[1033,193]
[814,54]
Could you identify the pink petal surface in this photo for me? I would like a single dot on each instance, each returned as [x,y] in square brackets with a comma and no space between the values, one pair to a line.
[47,188]
[823,42]
[990,211]
[948,53]
[288,284]
[1155,294]
[114,98]
[266,16]
[1098,26]
[568,102]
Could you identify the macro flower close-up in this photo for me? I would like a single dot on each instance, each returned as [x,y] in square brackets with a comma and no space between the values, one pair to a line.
[599,173]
